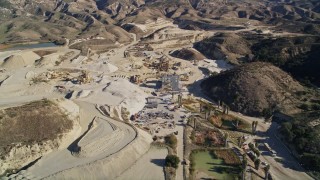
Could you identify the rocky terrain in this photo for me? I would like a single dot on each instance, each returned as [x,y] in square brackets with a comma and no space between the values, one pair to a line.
[103,79]
[225,46]
[291,53]
[26,21]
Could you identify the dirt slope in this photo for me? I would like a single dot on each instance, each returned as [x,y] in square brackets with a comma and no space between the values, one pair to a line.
[224,46]
[188,54]
[255,87]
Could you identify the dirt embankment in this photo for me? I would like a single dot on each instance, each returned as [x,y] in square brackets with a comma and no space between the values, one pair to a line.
[29,131]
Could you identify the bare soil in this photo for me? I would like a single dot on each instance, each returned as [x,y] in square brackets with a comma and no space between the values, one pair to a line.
[33,122]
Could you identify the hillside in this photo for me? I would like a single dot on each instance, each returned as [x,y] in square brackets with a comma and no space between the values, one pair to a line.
[188,54]
[291,54]
[30,21]
[29,131]
[225,46]
[85,83]
[254,88]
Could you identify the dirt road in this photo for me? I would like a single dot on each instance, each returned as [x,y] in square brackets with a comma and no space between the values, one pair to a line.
[149,166]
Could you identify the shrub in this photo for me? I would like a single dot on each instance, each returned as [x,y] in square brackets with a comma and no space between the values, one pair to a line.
[171,141]
[172,161]
[38,80]
[305,107]
[254,149]
[311,161]
[257,164]
[315,107]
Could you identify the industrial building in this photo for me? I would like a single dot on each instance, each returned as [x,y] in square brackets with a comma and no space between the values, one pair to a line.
[170,83]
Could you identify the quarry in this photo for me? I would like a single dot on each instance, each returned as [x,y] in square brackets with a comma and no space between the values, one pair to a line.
[127,85]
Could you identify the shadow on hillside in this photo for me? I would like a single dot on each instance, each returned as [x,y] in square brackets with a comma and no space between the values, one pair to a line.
[283,154]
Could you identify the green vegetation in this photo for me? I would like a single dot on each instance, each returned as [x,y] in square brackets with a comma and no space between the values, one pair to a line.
[171,141]
[266,170]
[229,122]
[302,136]
[257,164]
[310,106]
[268,54]
[3,31]
[311,160]
[244,165]
[280,160]
[254,127]
[172,161]
[207,137]
[220,164]
[5,4]
[272,50]
[254,149]
[305,139]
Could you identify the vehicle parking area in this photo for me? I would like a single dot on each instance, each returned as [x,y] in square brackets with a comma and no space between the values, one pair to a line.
[162,119]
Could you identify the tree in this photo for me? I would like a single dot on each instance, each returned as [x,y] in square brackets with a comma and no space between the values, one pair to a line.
[240,141]
[236,125]
[208,115]
[267,114]
[180,100]
[257,164]
[311,161]
[254,149]
[244,166]
[257,152]
[172,161]
[223,106]
[266,170]
[226,136]
[254,126]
